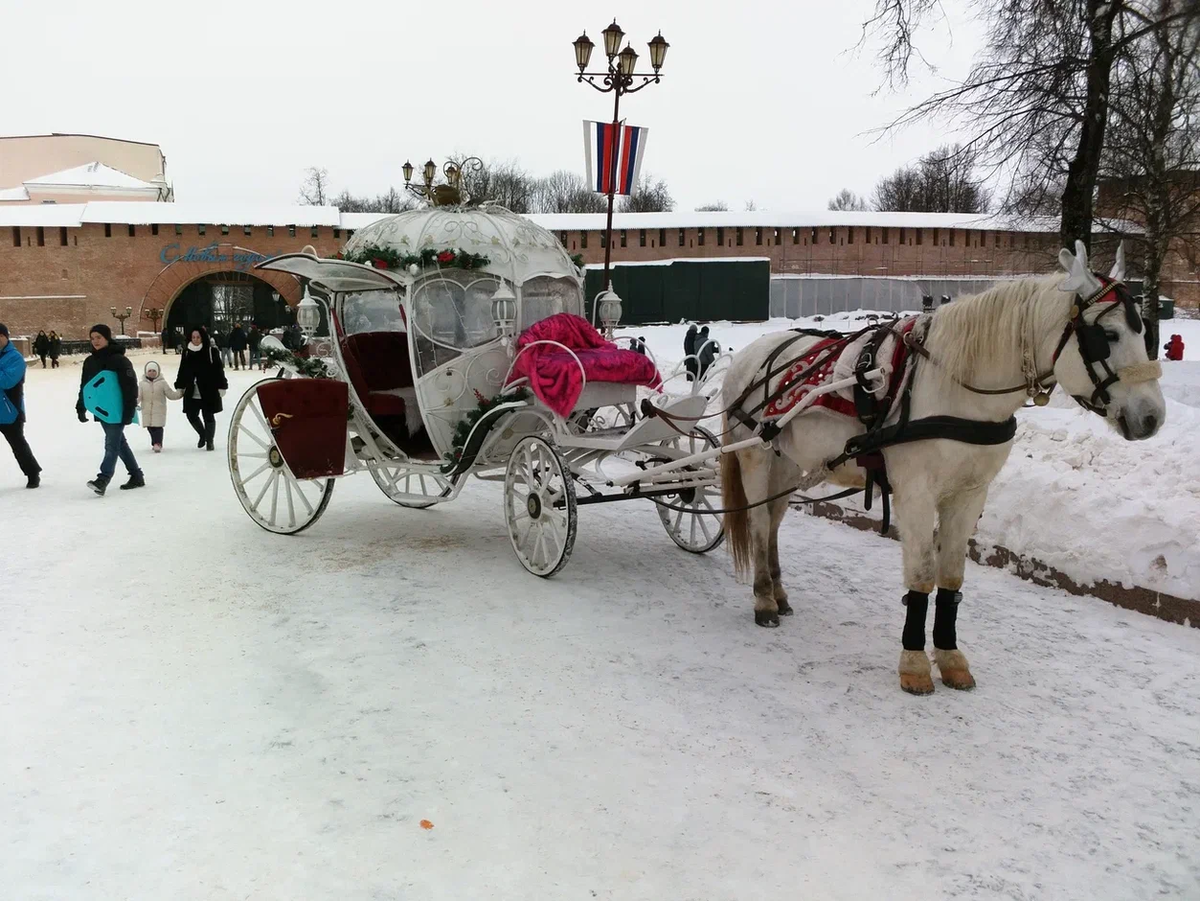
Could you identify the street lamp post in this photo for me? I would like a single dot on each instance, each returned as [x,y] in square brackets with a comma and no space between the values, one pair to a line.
[449,193]
[121,317]
[154,314]
[618,78]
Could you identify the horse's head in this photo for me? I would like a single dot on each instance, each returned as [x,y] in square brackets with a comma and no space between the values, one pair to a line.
[1101,359]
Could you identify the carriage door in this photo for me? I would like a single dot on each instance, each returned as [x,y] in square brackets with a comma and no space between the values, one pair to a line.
[307,418]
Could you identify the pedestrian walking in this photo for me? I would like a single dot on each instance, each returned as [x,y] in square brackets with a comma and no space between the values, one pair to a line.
[201,378]
[254,341]
[690,347]
[12,408]
[41,346]
[109,356]
[153,394]
[221,340]
[706,351]
[55,349]
[237,346]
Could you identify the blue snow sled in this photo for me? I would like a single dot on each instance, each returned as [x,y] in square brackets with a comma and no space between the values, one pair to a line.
[102,398]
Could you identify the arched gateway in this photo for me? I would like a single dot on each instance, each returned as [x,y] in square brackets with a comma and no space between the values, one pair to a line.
[209,285]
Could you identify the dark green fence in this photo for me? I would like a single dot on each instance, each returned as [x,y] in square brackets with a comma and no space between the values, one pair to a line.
[699,290]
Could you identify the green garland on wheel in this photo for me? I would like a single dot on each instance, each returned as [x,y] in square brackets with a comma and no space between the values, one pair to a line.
[484,405]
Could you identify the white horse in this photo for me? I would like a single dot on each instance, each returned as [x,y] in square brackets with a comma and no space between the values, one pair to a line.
[1016,339]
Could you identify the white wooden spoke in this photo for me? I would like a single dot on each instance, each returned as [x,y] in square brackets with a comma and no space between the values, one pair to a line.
[539,506]
[252,444]
[416,490]
[689,518]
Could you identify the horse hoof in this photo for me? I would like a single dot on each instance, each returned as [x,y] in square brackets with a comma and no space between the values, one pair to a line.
[763,618]
[916,683]
[785,609]
[960,679]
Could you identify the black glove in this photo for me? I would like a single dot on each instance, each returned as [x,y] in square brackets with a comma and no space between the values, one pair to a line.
[82,416]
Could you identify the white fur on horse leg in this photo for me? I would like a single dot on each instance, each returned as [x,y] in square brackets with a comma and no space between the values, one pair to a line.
[956,673]
[777,509]
[756,481]
[915,673]
[916,540]
[957,516]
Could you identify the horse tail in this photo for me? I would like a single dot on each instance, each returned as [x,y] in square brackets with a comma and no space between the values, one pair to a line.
[737,521]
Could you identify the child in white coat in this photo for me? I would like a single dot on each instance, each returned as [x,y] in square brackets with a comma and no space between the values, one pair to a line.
[153,393]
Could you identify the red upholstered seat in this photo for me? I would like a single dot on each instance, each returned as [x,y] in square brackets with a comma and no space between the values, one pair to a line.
[376,365]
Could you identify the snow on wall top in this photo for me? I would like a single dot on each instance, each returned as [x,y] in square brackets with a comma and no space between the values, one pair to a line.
[151,213]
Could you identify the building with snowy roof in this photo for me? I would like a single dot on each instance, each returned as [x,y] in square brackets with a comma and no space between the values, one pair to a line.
[60,168]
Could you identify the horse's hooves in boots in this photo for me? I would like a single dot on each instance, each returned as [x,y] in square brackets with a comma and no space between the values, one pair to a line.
[763,618]
[916,683]
[785,609]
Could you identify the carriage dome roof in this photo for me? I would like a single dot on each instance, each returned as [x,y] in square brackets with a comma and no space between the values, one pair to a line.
[516,248]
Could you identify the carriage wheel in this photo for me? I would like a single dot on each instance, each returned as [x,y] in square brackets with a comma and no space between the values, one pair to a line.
[696,528]
[539,506]
[274,498]
[401,484]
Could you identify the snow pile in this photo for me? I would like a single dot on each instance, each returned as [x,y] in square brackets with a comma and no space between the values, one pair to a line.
[1181,380]
[1077,496]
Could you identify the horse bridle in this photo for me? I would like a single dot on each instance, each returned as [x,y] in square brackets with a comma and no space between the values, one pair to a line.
[1095,348]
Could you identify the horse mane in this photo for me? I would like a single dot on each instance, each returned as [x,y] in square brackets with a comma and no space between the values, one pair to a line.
[985,332]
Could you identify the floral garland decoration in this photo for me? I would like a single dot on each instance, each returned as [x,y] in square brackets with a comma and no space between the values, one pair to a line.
[311,367]
[483,405]
[429,258]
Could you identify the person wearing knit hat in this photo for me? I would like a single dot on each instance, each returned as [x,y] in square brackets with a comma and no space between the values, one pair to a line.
[12,408]
[107,355]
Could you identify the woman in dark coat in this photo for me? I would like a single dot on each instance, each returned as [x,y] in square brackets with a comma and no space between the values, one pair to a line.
[202,380]
[55,348]
[41,346]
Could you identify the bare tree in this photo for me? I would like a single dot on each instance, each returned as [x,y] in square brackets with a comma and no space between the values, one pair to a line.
[1152,162]
[847,200]
[717,207]
[651,196]
[943,181]
[391,202]
[751,206]
[315,187]
[1043,80]
[564,191]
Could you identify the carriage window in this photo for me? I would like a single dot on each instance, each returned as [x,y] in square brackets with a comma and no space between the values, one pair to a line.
[544,296]
[371,311]
[453,310]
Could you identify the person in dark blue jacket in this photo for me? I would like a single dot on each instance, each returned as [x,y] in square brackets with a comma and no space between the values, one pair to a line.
[12,408]
[108,355]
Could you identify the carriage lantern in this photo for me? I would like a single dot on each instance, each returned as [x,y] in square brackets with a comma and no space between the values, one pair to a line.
[308,315]
[504,310]
[608,306]
[407,168]
[430,171]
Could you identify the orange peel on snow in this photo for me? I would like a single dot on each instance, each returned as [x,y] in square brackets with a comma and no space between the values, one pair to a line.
[425,824]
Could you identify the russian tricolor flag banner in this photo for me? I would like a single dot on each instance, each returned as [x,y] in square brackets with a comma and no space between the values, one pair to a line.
[614,156]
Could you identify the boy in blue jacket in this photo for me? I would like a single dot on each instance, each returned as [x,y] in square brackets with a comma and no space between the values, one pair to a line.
[12,408]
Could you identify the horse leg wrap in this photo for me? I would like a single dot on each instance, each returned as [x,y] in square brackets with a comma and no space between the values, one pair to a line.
[916,604]
[945,612]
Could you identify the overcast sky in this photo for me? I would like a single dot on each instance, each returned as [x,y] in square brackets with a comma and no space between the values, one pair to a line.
[760,100]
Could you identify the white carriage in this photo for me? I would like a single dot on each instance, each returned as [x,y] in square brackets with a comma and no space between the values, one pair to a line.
[424,391]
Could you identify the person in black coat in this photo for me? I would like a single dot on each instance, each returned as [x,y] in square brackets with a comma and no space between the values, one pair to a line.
[237,346]
[253,340]
[689,352]
[41,346]
[109,356]
[706,350]
[202,380]
[55,348]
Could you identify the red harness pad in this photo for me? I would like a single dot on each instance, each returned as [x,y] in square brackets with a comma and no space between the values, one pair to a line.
[797,391]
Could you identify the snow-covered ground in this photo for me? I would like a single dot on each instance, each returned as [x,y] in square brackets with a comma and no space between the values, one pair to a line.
[193,708]
[1106,508]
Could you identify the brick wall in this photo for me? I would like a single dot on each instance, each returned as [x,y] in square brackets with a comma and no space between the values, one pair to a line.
[68,279]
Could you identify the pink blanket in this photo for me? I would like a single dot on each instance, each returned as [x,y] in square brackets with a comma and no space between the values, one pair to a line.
[553,373]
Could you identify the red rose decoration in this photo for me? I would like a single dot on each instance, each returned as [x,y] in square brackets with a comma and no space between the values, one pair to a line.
[446,256]
[379,264]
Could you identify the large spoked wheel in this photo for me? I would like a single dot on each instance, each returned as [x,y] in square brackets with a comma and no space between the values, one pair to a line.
[403,486]
[693,525]
[274,498]
[539,506]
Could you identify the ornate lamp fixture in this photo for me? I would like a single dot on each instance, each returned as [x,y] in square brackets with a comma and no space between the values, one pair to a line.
[449,193]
